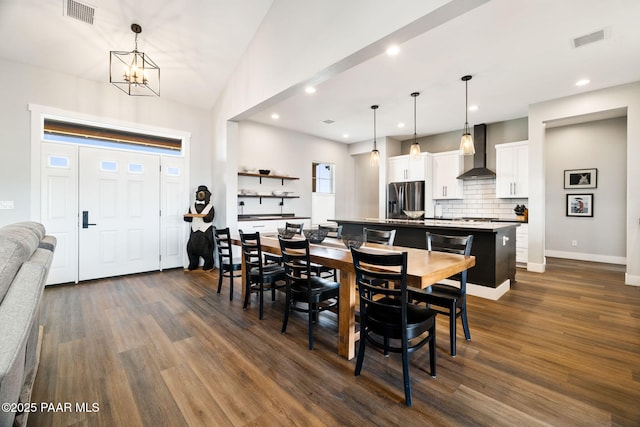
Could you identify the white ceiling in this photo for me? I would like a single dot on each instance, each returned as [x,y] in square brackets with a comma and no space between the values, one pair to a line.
[196,43]
[518,52]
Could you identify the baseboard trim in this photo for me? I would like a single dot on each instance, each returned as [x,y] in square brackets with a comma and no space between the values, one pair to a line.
[486,292]
[587,257]
[631,280]
[535,267]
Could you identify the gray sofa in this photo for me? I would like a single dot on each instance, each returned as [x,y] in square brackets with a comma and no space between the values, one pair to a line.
[26,253]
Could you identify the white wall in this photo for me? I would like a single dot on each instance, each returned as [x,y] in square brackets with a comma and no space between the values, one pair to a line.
[367,186]
[598,144]
[266,147]
[23,85]
[624,96]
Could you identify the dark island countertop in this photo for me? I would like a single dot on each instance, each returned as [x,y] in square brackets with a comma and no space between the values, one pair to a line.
[453,224]
[494,246]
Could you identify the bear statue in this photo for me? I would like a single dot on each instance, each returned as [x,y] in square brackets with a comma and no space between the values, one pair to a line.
[200,244]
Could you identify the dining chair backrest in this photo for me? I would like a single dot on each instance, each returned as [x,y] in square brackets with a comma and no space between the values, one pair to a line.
[251,251]
[373,282]
[297,228]
[226,263]
[222,238]
[334,231]
[383,237]
[460,245]
[295,256]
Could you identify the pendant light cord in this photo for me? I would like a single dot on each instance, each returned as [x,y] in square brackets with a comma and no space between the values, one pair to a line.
[415,135]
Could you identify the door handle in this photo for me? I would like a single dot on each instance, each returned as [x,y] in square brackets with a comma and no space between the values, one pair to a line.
[85,219]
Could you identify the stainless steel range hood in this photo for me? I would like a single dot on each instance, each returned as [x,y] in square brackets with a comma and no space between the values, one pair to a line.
[480,158]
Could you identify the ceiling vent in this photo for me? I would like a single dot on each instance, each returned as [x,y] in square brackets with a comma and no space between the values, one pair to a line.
[328,121]
[588,38]
[80,11]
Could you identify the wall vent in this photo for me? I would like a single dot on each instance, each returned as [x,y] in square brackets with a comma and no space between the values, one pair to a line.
[588,38]
[80,11]
[328,121]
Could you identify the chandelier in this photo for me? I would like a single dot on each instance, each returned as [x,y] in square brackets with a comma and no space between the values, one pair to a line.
[134,72]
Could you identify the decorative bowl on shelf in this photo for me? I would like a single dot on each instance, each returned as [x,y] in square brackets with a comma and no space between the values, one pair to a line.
[264,171]
[286,233]
[315,235]
[352,240]
[413,214]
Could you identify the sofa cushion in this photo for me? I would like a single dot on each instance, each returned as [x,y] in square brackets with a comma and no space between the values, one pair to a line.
[16,246]
[18,317]
[35,227]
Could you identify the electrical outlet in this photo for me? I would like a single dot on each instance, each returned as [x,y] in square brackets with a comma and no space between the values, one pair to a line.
[574,243]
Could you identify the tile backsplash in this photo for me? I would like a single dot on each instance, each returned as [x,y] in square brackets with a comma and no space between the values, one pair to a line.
[479,201]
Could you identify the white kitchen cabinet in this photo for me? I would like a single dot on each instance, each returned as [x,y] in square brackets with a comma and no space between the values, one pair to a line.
[522,244]
[512,170]
[407,168]
[447,167]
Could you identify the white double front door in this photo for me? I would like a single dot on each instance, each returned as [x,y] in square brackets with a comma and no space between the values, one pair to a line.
[104,207]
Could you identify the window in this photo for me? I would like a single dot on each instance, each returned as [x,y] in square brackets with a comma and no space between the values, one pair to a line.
[64,131]
[323,178]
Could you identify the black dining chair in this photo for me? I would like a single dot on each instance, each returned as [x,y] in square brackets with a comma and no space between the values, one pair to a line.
[258,276]
[448,299]
[290,229]
[382,237]
[227,264]
[334,231]
[316,293]
[388,320]
[321,270]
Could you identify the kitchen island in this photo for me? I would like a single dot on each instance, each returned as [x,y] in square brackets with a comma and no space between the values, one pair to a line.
[494,246]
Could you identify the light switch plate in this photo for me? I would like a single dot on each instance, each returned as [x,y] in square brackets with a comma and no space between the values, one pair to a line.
[6,204]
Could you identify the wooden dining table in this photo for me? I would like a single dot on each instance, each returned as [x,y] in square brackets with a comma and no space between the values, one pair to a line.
[424,268]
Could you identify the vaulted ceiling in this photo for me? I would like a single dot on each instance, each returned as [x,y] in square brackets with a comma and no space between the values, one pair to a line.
[518,52]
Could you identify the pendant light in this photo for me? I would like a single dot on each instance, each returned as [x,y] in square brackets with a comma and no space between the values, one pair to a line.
[415,147]
[375,154]
[134,72]
[466,142]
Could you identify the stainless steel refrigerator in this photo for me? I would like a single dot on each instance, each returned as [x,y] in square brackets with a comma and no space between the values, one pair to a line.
[403,196]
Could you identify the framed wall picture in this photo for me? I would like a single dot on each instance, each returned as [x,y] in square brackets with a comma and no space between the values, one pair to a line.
[581,178]
[580,205]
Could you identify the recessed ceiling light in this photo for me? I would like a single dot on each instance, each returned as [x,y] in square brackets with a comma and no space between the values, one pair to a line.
[275,116]
[473,108]
[345,135]
[400,125]
[393,50]
[583,82]
[310,89]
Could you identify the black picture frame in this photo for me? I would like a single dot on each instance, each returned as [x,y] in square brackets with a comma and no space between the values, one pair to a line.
[581,178]
[580,205]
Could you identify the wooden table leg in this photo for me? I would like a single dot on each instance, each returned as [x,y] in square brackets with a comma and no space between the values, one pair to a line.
[346,315]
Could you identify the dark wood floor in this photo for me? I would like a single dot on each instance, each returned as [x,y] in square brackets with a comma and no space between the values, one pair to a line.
[163,349]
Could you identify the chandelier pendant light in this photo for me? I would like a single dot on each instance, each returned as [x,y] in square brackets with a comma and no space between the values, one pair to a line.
[134,72]
[415,147]
[375,154]
[466,142]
